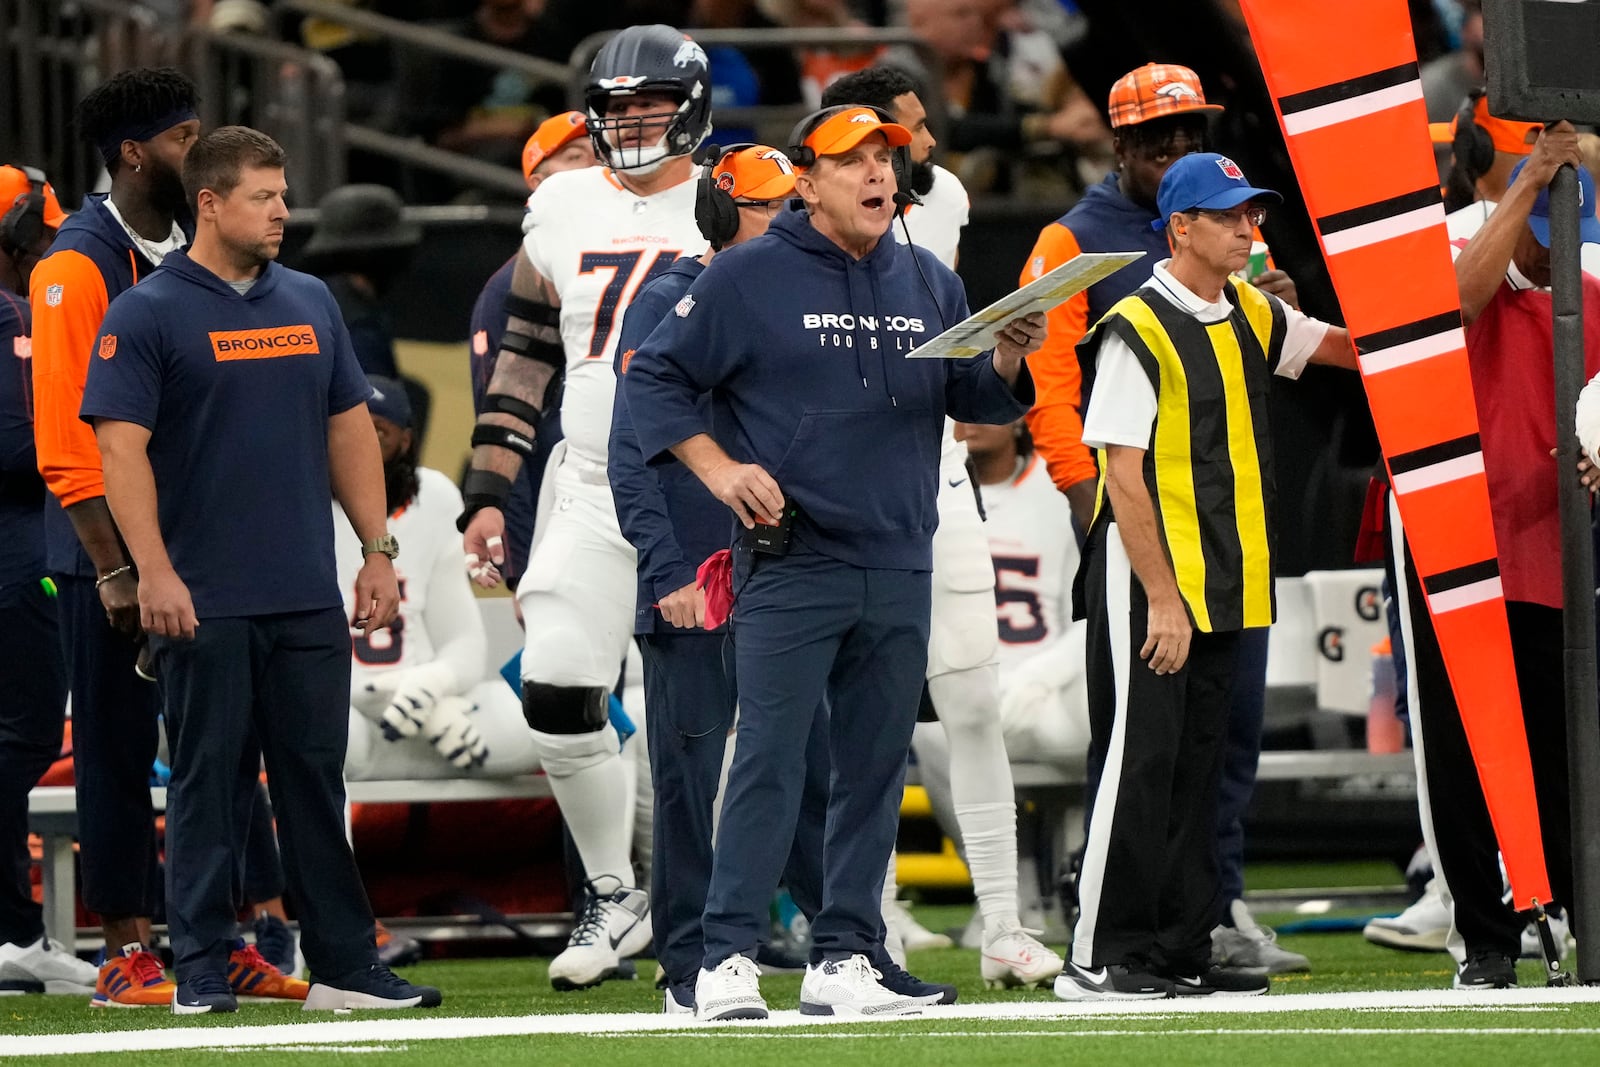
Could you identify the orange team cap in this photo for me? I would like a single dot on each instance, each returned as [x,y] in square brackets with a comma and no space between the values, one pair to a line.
[842,132]
[14,183]
[553,134]
[1513,138]
[1154,91]
[756,173]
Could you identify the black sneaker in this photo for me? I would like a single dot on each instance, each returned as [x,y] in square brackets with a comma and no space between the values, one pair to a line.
[897,980]
[1486,970]
[206,992]
[1216,981]
[773,959]
[1114,981]
[375,986]
[275,942]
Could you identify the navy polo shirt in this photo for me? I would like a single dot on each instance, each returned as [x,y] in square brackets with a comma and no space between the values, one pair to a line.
[236,392]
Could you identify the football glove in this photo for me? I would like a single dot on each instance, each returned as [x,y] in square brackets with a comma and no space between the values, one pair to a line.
[454,735]
[415,695]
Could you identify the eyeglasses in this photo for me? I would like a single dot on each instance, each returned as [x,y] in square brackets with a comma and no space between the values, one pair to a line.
[1254,214]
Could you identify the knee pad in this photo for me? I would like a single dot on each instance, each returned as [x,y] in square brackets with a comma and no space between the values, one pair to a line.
[563,709]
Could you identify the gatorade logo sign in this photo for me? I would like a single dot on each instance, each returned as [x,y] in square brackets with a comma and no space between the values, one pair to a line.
[264,344]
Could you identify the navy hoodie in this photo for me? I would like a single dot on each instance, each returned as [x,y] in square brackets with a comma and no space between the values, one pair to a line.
[1103,220]
[236,392]
[666,513]
[804,348]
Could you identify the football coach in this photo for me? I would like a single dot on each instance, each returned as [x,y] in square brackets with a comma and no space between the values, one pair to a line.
[831,461]
[229,407]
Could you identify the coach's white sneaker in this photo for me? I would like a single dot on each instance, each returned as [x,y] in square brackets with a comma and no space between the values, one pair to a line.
[1423,927]
[1014,957]
[731,991]
[671,1005]
[615,924]
[851,987]
[44,967]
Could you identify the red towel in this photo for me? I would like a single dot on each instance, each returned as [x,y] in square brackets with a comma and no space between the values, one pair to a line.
[715,578]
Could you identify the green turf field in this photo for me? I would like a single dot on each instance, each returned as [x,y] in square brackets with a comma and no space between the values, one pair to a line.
[504,1011]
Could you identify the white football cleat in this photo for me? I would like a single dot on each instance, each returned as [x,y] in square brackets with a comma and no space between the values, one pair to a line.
[851,987]
[1016,958]
[1423,927]
[614,926]
[913,936]
[731,991]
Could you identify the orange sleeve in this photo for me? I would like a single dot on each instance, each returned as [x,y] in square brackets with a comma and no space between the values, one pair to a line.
[1055,422]
[68,294]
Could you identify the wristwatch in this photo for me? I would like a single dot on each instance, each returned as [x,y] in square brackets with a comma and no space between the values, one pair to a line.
[385,544]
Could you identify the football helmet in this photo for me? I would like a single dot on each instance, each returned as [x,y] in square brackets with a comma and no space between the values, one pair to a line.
[649,59]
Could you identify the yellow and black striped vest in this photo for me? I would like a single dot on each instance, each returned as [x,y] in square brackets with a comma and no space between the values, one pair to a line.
[1209,462]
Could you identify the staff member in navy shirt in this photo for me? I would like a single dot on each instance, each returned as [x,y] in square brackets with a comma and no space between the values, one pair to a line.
[229,406]
[32,676]
[801,335]
[675,523]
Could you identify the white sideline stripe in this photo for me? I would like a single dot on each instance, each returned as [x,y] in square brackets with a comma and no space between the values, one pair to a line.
[1383,230]
[1439,344]
[622,1024]
[1451,470]
[1466,596]
[1343,111]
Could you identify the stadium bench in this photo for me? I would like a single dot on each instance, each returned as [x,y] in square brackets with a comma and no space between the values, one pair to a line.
[53,815]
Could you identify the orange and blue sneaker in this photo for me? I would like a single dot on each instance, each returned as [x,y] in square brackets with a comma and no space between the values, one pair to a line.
[132,978]
[253,978]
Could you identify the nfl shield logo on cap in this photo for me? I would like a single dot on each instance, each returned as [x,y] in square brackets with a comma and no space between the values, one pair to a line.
[1230,168]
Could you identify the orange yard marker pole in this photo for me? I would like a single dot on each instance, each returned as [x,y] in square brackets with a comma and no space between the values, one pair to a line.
[1349,100]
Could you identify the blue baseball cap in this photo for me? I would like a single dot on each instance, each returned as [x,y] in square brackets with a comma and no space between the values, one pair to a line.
[1539,214]
[389,400]
[1205,180]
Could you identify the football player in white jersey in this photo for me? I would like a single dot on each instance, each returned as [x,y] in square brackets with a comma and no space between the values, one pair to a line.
[593,237]
[963,682]
[424,703]
[1044,705]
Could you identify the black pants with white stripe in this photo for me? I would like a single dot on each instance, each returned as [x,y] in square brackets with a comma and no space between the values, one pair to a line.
[1451,798]
[1149,889]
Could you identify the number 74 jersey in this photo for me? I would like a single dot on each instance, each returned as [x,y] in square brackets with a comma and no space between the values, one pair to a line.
[599,244]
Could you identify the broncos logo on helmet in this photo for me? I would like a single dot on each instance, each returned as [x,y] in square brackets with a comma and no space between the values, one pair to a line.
[649,59]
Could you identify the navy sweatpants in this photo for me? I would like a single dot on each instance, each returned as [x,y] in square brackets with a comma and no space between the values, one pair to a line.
[284,679]
[113,748]
[33,701]
[690,688]
[806,628]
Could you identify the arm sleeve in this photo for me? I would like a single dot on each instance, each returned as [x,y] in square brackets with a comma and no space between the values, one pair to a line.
[349,385]
[64,334]
[124,382]
[698,346]
[1055,421]
[1122,410]
[452,616]
[635,488]
[16,413]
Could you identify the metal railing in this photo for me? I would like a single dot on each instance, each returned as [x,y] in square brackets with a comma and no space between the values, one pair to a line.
[54,51]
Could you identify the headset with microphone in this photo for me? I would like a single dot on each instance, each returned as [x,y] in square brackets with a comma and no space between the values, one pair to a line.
[802,155]
[22,225]
[1472,145]
[716,212]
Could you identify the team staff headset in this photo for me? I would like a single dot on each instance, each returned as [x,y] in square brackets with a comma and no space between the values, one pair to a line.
[899,162]
[22,225]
